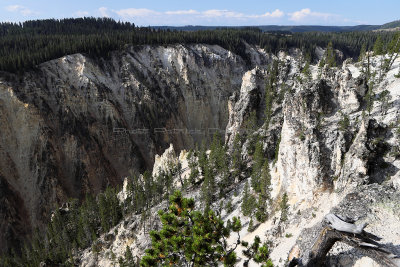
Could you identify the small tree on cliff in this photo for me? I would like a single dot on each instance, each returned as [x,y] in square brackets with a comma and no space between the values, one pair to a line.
[329,57]
[258,161]
[259,253]
[248,201]
[194,167]
[237,162]
[264,196]
[193,238]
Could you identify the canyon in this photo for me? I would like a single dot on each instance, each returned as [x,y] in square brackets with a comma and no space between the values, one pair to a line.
[78,124]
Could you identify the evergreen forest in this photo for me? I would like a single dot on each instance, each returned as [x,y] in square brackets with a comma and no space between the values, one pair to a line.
[25,45]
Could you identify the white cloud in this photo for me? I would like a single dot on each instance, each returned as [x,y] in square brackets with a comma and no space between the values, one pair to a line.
[222,13]
[103,12]
[231,14]
[13,8]
[136,12]
[182,12]
[20,9]
[212,13]
[275,14]
[145,16]
[306,14]
[80,13]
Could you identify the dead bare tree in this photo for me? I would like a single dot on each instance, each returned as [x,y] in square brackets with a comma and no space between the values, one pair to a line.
[344,230]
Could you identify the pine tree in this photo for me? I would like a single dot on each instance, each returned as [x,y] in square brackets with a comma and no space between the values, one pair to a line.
[251,122]
[148,188]
[378,46]
[269,87]
[237,162]
[379,51]
[87,222]
[250,228]
[219,162]
[109,209]
[248,201]
[284,207]
[259,253]
[218,159]
[264,196]
[306,71]
[258,160]
[229,207]
[330,55]
[394,51]
[128,260]
[208,188]
[278,142]
[370,96]
[194,168]
[190,237]
[261,212]
[203,159]
[265,181]
[214,153]
[363,52]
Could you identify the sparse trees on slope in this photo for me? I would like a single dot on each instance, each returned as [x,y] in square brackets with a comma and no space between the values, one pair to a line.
[264,195]
[284,207]
[237,162]
[71,228]
[329,57]
[219,162]
[194,167]
[379,51]
[258,161]
[270,88]
[249,202]
[378,47]
[109,209]
[208,188]
[203,159]
[394,50]
[363,52]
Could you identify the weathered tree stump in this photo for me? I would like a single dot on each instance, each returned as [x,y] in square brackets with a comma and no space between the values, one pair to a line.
[342,230]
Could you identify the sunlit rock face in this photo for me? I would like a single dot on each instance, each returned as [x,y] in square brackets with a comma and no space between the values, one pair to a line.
[77,124]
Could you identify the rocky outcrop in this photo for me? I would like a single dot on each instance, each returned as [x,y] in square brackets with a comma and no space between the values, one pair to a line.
[329,145]
[77,124]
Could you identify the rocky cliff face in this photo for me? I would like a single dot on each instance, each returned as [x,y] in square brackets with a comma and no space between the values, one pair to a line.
[330,154]
[329,150]
[77,124]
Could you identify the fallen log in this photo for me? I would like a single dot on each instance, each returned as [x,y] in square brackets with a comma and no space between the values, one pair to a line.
[343,230]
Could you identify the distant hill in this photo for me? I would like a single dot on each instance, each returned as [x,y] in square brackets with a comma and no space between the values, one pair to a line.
[316,28]
[292,29]
[390,25]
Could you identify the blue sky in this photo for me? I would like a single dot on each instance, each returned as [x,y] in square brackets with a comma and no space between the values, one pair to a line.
[210,12]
